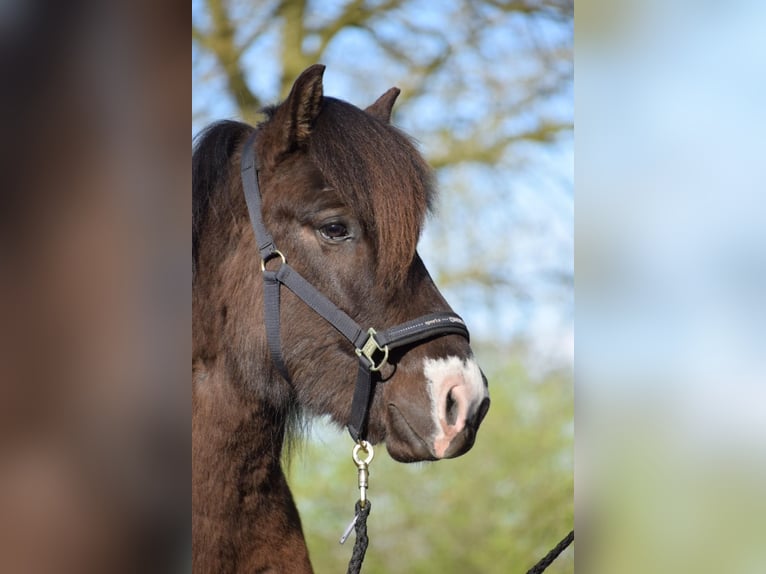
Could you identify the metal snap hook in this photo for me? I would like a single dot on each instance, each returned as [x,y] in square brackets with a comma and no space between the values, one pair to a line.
[362,466]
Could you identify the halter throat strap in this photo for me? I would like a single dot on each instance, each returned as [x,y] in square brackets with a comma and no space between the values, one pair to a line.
[371,346]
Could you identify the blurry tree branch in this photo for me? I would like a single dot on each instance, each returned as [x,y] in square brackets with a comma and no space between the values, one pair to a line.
[476,150]
[478,78]
[306,32]
[220,41]
[295,56]
[553,8]
[355,13]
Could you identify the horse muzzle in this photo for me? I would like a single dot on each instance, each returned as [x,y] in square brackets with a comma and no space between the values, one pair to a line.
[447,427]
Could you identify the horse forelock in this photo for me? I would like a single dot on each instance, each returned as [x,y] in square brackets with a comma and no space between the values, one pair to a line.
[380,176]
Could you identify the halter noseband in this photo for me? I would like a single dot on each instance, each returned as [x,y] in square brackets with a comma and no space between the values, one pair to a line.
[371,346]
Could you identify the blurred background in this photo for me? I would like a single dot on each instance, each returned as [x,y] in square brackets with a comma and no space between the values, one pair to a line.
[671,230]
[671,286]
[487,91]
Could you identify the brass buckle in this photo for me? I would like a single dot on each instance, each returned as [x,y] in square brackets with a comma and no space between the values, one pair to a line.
[369,349]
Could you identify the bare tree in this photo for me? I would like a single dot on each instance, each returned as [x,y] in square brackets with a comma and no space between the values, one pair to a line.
[517,52]
[486,88]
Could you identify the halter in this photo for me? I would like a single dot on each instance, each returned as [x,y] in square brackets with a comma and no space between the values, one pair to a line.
[371,346]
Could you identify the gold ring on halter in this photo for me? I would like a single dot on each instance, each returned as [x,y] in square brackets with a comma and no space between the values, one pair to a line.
[272,255]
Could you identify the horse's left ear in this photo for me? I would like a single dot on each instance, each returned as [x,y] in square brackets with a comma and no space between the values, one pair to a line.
[294,118]
[382,107]
[305,102]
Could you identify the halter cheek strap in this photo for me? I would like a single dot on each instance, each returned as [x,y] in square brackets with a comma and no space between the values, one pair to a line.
[371,347]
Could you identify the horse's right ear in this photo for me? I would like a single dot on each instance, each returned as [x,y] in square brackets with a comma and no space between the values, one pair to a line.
[382,107]
[294,118]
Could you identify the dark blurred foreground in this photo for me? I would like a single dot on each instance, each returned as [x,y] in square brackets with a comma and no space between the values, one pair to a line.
[94,287]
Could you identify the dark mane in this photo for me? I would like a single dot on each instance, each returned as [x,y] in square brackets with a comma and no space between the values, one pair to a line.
[211,161]
[380,174]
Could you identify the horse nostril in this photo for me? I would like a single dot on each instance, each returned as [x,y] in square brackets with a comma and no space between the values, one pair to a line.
[451,409]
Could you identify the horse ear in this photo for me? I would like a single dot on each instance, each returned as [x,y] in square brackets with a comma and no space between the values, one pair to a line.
[296,115]
[381,109]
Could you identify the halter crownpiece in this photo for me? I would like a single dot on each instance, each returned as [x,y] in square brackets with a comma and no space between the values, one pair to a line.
[371,346]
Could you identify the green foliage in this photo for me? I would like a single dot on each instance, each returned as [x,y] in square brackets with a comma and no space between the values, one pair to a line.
[499,508]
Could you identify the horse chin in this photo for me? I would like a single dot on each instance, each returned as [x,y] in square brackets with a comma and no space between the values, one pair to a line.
[402,442]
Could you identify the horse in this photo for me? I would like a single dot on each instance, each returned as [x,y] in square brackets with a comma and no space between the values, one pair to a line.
[344,195]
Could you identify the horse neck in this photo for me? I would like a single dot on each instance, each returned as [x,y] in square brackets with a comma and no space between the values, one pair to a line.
[236,440]
[241,503]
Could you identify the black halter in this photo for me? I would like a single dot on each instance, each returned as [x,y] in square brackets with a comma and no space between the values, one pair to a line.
[371,346]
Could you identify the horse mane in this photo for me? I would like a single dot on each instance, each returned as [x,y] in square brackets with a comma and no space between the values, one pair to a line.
[211,163]
[379,173]
[212,169]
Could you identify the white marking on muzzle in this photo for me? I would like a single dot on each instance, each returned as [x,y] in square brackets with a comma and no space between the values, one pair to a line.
[463,379]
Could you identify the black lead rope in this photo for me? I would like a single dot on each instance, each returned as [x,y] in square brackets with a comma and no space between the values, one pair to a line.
[360,546]
[548,559]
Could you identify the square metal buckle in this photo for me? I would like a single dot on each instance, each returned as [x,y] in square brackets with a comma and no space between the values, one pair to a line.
[370,348]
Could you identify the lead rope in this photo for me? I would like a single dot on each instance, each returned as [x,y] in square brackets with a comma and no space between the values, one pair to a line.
[548,559]
[361,509]
[360,546]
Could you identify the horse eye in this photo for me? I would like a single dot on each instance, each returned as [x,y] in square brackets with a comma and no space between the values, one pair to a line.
[334,231]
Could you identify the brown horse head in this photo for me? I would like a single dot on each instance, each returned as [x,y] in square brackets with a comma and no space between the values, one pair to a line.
[345,196]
